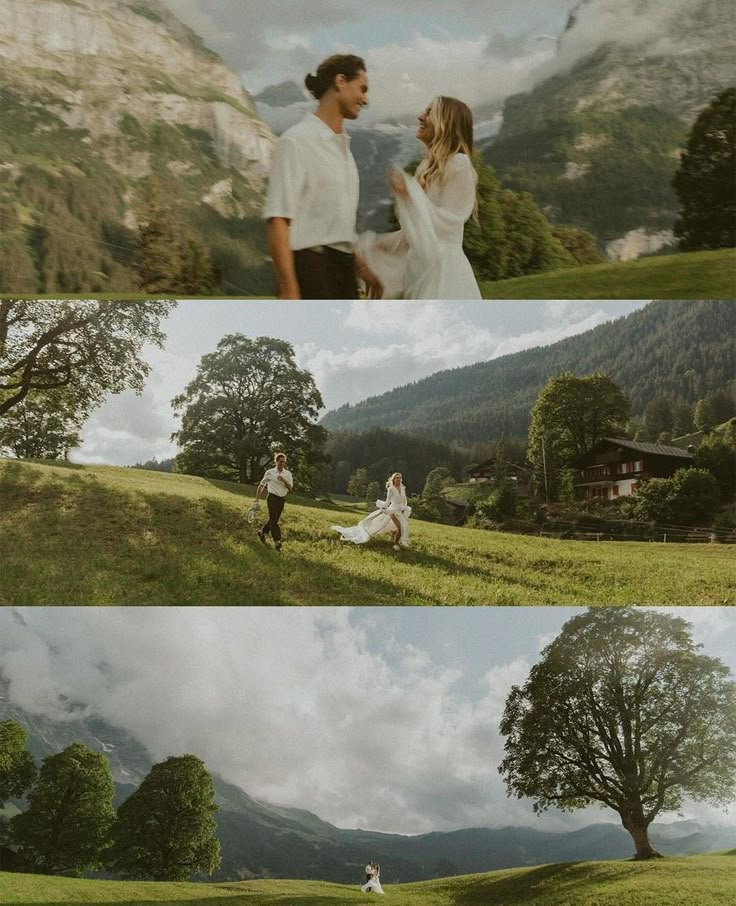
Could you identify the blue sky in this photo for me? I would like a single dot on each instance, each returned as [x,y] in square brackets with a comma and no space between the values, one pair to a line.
[353,349]
[277,699]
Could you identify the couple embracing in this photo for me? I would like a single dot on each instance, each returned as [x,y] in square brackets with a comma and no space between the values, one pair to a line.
[312,202]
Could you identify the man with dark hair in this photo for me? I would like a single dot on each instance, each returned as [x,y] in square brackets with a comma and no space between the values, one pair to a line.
[313,188]
[278,481]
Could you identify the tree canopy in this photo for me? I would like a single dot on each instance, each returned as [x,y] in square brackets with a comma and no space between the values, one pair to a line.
[625,711]
[572,414]
[17,770]
[87,347]
[166,829]
[248,399]
[67,823]
[705,182]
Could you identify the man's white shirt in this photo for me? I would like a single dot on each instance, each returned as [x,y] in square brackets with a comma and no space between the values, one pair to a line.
[314,184]
[271,481]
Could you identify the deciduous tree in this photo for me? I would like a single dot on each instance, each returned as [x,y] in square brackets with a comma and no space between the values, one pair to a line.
[247,399]
[67,824]
[625,711]
[166,829]
[704,181]
[17,770]
[88,347]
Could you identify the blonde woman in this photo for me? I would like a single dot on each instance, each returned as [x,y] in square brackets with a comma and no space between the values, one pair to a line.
[425,258]
[391,515]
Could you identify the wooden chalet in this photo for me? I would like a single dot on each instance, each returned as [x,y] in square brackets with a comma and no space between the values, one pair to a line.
[616,466]
[520,475]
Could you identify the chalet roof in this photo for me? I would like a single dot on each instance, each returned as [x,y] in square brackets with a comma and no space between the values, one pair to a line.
[639,447]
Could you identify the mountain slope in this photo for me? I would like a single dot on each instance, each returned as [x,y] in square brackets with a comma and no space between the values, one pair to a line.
[598,142]
[262,840]
[683,348]
[101,101]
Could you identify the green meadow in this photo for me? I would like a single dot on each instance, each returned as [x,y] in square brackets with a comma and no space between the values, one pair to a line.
[108,535]
[686,275]
[685,881]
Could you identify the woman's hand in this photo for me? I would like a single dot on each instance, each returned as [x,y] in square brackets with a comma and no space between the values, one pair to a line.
[397,183]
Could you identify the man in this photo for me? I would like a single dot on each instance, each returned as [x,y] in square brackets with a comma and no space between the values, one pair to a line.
[312,199]
[369,871]
[279,482]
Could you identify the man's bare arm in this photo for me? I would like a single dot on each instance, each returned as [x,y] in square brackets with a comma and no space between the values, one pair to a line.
[277,235]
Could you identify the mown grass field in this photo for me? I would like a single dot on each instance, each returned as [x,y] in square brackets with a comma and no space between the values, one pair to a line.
[686,881]
[106,535]
[687,275]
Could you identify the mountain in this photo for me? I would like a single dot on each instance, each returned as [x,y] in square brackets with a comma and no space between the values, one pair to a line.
[102,104]
[262,840]
[686,349]
[597,142]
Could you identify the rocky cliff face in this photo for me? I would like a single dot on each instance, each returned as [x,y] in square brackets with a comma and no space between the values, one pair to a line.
[598,140]
[122,91]
[101,59]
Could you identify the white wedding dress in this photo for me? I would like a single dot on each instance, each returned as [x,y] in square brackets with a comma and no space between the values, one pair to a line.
[425,258]
[380,519]
[372,886]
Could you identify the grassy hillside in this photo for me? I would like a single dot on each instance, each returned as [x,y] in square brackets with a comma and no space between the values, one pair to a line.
[106,535]
[688,275]
[691,881]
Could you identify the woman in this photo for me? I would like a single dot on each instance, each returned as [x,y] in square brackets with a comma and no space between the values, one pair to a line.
[390,515]
[425,258]
[374,884]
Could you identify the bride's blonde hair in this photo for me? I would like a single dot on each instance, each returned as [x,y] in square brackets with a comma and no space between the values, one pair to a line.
[452,123]
[391,479]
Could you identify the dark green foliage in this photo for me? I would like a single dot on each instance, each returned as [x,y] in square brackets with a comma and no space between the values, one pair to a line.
[17,770]
[66,826]
[165,830]
[690,497]
[579,243]
[625,174]
[659,416]
[496,507]
[569,417]
[42,426]
[685,349]
[381,451]
[358,483]
[532,246]
[85,348]
[624,711]
[247,400]
[706,179]
[717,454]
[486,242]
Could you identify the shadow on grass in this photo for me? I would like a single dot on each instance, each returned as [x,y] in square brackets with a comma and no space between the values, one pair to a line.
[570,881]
[76,540]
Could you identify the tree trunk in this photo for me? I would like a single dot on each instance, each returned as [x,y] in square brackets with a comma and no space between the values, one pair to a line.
[638,827]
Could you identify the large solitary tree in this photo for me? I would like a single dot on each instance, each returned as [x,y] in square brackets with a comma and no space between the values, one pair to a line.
[625,711]
[166,829]
[67,824]
[87,347]
[247,399]
[706,179]
[45,425]
[17,770]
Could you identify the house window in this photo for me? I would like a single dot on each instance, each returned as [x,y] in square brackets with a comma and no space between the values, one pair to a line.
[615,490]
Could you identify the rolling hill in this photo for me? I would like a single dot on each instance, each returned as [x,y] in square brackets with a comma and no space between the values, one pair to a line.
[691,881]
[107,535]
[682,348]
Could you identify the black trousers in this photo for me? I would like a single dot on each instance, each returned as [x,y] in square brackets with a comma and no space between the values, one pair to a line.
[275,509]
[326,274]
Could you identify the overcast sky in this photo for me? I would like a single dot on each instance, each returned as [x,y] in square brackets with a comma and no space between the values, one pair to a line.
[312,707]
[353,349]
[479,50]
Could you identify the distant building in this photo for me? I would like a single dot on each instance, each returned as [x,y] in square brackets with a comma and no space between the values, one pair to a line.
[615,467]
[520,476]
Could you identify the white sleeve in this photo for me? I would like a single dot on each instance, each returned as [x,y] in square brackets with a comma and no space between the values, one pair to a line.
[457,195]
[285,180]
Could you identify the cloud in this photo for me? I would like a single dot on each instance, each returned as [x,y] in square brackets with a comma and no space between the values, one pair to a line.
[421,338]
[296,706]
[305,707]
